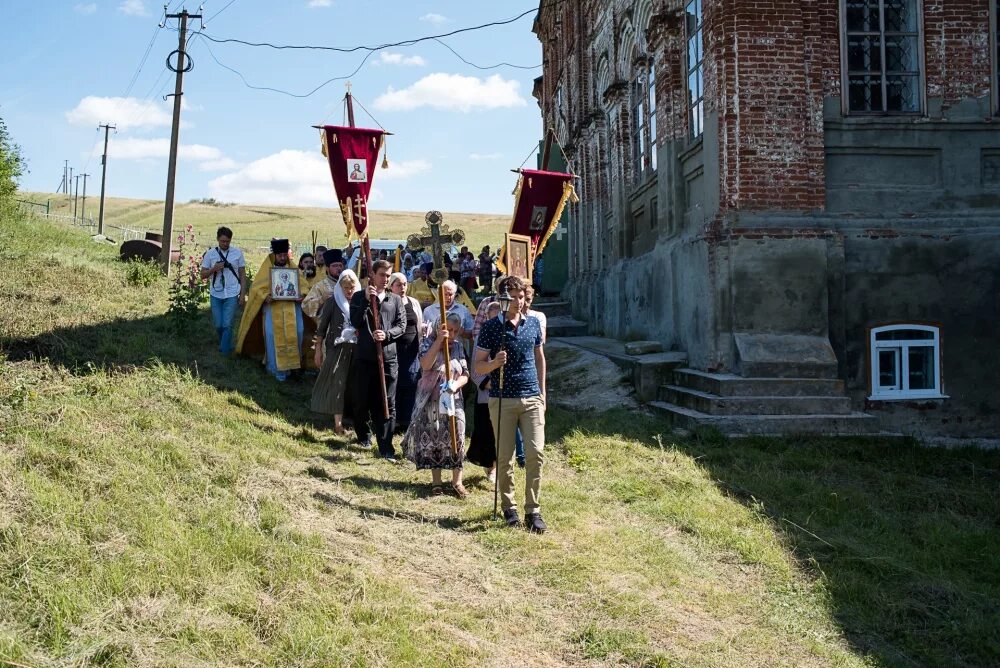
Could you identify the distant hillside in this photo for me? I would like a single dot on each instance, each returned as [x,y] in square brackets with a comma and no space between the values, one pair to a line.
[253,225]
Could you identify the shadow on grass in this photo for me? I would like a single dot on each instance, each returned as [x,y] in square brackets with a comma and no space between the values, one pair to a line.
[449,522]
[905,538]
[125,345]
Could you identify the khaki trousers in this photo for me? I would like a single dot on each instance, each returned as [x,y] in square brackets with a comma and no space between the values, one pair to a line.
[529,414]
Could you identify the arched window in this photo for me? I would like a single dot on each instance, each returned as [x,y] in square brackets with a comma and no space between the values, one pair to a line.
[644,117]
[905,362]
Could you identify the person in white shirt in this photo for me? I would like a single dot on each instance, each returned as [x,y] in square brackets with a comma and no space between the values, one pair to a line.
[225,267]
[432,314]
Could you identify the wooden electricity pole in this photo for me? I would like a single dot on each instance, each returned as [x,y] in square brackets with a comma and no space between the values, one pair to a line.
[83,201]
[104,176]
[76,194]
[183,64]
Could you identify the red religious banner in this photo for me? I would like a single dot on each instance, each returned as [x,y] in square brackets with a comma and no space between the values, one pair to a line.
[352,154]
[539,201]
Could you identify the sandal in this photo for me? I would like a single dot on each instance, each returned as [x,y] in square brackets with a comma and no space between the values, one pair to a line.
[437,490]
[460,491]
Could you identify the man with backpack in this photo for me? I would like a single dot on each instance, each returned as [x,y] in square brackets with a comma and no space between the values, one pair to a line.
[225,268]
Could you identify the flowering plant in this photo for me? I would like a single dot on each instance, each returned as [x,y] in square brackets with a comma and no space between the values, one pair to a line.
[188,290]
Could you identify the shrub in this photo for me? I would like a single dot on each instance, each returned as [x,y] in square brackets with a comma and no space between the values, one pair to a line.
[11,167]
[188,291]
[141,273]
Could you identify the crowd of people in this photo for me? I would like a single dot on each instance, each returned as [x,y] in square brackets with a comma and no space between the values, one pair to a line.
[391,357]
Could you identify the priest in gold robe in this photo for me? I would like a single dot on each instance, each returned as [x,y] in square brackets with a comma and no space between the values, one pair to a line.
[271,329]
[322,290]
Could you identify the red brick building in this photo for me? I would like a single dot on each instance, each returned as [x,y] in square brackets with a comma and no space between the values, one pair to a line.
[796,189]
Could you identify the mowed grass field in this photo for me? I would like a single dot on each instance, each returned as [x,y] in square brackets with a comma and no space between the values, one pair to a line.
[162,506]
[254,225]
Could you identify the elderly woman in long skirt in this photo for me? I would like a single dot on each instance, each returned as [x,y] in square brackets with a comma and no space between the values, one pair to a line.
[427,442]
[336,354]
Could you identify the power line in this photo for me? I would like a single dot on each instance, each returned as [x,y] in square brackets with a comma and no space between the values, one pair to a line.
[338,49]
[228,4]
[278,90]
[486,67]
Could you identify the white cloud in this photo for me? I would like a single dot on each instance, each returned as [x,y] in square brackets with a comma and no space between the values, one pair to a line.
[133,8]
[208,158]
[319,3]
[485,156]
[295,178]
[436,19]
[85,9]
[403,169]
[453,92]
[125,112]
[219,165]
[389,58]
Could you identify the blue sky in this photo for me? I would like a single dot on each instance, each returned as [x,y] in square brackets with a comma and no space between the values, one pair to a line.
[458,130]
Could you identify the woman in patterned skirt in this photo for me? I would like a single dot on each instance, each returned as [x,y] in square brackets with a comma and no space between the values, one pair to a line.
[427,442]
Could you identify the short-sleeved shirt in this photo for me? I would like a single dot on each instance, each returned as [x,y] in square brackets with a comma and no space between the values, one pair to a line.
[226,283]
[520,375]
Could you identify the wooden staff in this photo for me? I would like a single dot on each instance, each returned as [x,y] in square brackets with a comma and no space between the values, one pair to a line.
[376,325]
[373,301]
[452,420]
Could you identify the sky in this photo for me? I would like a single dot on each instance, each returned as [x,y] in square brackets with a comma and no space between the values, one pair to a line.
[458,130]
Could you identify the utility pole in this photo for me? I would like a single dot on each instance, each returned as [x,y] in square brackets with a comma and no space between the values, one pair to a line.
[69,180]
[183,65]
[62,184]
[104,175]
[83,202]
[76,195]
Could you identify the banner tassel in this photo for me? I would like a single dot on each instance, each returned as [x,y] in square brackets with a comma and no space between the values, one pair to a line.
[385,153]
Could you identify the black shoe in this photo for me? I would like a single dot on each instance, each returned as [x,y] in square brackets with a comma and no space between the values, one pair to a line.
[365,442]
[533,523]
[520,462]
[511,518]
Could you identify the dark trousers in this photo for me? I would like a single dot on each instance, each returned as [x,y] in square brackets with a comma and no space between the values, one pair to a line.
[368,403]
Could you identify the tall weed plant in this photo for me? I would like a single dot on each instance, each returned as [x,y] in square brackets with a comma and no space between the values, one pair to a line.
[188,291]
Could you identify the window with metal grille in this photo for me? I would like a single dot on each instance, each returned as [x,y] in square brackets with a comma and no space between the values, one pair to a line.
[694,67]
[905,362]
[644,128]
[882,56]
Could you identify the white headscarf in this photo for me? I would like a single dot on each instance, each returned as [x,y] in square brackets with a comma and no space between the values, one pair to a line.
[348,334]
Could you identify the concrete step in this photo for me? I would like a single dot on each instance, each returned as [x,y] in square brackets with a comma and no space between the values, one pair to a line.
[713,404]
[771,425]
[565,326]
[648,372]
[786,369]
[552,307]
[730,385]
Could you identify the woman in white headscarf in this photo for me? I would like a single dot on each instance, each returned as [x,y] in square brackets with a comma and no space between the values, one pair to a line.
[336,354]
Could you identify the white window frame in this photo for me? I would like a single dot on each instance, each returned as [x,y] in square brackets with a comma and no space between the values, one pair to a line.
[901,348]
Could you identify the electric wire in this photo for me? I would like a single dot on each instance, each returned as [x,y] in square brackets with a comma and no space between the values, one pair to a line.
[486,67]
[278,90]
[372,49]
[212,17]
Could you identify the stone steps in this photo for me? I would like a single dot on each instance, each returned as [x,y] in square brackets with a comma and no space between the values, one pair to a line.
[648,372]
[731,385]
[565,326]
[769,425]
[552,308]
[714,404]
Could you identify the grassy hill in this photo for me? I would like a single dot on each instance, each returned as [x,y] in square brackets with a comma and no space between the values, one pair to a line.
[162,506]
[254,225]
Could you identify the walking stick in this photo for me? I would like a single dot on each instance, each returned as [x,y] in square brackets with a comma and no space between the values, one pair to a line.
[504,300]
[452,420]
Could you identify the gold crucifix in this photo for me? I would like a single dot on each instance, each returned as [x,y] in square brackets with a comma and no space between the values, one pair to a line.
[435,235]
[360,212]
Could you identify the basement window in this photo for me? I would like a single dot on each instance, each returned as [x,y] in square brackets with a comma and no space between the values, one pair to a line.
[905,362]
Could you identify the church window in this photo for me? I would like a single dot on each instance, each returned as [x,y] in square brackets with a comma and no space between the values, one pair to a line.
[695,67]
[995,26]
[651,110]
[644,113]
[882,56]
[905,362]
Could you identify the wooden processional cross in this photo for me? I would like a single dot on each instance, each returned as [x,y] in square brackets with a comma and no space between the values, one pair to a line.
[434,236]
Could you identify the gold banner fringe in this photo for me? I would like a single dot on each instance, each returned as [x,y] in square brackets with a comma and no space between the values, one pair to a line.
[569,194]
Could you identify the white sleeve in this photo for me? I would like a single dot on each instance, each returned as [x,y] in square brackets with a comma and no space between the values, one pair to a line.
[206,260]
[241,260]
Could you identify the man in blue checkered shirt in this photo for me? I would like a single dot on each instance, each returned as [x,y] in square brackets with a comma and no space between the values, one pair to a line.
[513,342]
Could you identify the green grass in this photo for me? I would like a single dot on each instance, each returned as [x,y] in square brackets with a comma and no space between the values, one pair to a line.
[162,506]
[253,225]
